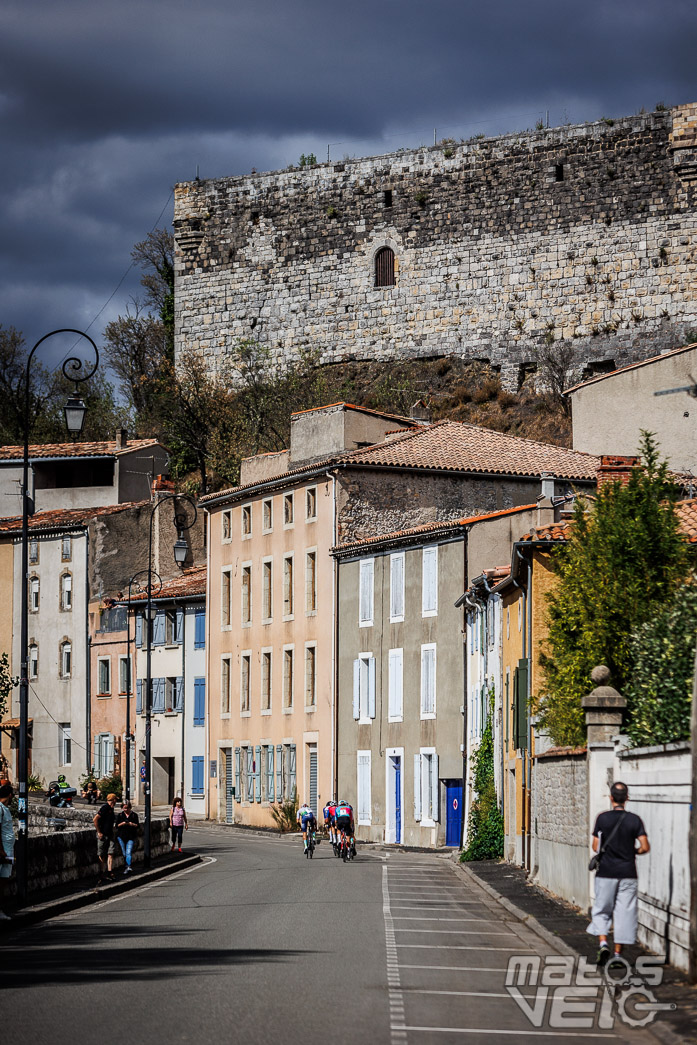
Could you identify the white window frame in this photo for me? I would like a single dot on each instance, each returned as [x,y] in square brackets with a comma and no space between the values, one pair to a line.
[66,540]
[123,659]
[364,680]
[396,617]
[429,608]
[289,558]
[33,547]
[225,610]
[265,651]
[366,592]
[426,713]
[33,661]
[288,648]
[267,561]
[310,491]
[64,738]
[364,758]
[246,623]
[245,654]
[430,787]
[288,498]
[66,591]
[34,594]
[63,673]
[395,685]
[267,502]
[246,513]
[225,658]
[310,612]
[310,646]
[103,692]
[226,517]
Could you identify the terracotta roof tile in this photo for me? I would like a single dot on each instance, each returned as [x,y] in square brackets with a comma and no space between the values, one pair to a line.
[358,409]
[58,518]
[100,448]
[191,582]
[687,517]
[442,525]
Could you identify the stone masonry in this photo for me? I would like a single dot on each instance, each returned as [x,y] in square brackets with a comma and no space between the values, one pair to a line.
[584,235]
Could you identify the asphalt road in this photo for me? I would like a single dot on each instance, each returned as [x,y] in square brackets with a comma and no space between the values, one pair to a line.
[260,945]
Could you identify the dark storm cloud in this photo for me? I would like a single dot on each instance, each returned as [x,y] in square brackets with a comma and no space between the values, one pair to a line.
[104,105]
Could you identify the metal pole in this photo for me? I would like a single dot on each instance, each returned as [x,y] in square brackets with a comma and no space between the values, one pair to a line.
[147,829]
[128,697]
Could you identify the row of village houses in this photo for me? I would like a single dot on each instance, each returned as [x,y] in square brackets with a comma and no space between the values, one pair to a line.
[344,619]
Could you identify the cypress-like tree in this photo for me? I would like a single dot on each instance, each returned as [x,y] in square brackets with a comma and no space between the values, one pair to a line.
[623,561]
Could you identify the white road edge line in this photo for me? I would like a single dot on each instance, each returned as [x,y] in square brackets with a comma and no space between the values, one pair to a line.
[530,1033]
[456,968]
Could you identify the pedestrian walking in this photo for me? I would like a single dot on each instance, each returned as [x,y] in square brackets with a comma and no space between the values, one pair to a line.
[127,832]
[7,843]
[618,838]
[104,822]
[177,821]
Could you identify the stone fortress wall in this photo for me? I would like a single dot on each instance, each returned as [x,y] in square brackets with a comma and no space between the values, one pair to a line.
[582,234]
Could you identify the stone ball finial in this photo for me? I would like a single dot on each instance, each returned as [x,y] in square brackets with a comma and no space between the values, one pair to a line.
[600,675]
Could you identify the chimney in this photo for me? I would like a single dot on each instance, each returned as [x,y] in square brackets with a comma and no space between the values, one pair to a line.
[420,412]
[545,502]
[615,469]
[121,438]
[160,484]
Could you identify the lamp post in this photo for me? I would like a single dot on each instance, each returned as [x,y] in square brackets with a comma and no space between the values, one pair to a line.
[75,410]
[133,580]
[180,551]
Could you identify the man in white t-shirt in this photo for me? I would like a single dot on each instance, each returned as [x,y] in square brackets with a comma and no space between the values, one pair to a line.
[7,841]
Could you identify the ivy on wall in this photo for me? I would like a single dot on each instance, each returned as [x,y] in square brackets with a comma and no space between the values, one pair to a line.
[485,825]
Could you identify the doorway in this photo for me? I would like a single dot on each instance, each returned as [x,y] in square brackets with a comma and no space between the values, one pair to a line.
[162,781]
[229,784]
[395,795]
[453,819]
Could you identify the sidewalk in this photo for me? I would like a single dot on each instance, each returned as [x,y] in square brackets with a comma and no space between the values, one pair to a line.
[566,925]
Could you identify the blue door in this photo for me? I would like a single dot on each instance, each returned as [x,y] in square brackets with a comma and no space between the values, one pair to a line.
[397,799]
[453,822]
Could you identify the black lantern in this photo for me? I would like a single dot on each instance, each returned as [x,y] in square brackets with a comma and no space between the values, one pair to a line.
[181,550]
[74,411]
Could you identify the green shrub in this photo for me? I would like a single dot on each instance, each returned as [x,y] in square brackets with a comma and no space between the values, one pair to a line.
[285,813]
[110,785]
[36,782]
[485,824]
[659,694]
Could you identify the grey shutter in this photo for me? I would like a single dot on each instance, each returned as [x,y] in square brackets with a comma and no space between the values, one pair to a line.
[158,696]
[270,775]
[279,773]
[435,788]
[139,696]
[139,630]
[159,630]
[371,688]
[417,787]
[179,693]
[292,783]
[249,788]
[238,775]
[257,774]
[179,627]
[356,689]
[521,703]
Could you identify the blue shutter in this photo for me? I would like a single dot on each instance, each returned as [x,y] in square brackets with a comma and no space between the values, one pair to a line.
[249,784]
[158,694]
[279,772]
[197,775]
[292,788]
[139,697]
[159,630]
[238,793]
[179,693]
[257,774]
[179,627]
[200,629]
[139,630]
[269,773]
[199,702]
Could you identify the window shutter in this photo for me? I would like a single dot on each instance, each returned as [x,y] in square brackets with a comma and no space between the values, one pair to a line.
[395,672]
[279,773]
[98,755]
[521,703]
[426,786]
[199,702]
[257,774]
[109,755]
[179,693]
[292,784]
[356,689]
[179,627]
[435,789]
[200,629]
[139,697]
[428,681]
[363,788]
[397,586]
[417,787]
[158,698]
[197,775]
[366,591]
[159,633]
[249,788]
[238,775]
[429,592]
[139,630]
[270,774]
[371,688]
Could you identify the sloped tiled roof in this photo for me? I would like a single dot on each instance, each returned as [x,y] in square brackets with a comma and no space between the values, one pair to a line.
[686,512]
[99,448]
[359,409]
[60,518]
[428,529]
[191,582]
[630,366]
[457,447]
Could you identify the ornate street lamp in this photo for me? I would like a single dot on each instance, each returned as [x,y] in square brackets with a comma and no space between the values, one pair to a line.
[133,581]
[74,418]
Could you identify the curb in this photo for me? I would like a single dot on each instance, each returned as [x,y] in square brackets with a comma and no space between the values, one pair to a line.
[660,1031]
[53,908]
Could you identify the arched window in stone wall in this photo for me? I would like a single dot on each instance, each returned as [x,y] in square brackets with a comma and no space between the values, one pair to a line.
[384,267]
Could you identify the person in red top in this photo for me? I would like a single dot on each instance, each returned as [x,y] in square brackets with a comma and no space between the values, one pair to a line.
[330,819]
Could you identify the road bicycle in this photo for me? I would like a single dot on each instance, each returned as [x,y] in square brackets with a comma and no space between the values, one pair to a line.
[310,844]
[347,849]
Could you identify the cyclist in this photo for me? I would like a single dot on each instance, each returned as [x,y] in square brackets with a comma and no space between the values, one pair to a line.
[344,822]
[307,821]
[325,814]
[333,833]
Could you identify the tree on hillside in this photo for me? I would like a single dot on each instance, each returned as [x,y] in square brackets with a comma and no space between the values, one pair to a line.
[621,565]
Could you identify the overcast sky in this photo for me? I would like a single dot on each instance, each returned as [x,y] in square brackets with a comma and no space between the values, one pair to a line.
[105,104]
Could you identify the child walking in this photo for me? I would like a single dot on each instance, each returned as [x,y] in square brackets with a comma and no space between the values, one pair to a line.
[177,821]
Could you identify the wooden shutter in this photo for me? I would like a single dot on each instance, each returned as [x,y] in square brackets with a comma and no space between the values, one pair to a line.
[158,695]
[179,693]
[249,786]
[384,267]
[257,774]
[197,775]
[363,787]
[270,797]
[521,703]
[139,630]
[159,630]
[417,787]
[397,585]
[429,589]
[395,676]
[357,689]
[238,775]
[139,697]
[199,702]
[200,629]
[279,773]
[371,687]
[435,789]
[428,680]
[179,635]
[292,782]
[366,591]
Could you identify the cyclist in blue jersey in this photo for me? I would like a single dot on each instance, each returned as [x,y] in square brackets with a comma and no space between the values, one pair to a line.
[306,819]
